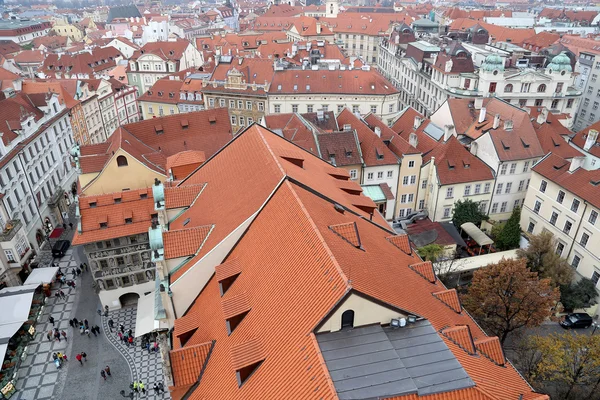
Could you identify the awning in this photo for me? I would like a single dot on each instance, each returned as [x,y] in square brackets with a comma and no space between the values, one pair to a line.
[41,276]
[15,303]
[476,234]
[144,321]
[56,233]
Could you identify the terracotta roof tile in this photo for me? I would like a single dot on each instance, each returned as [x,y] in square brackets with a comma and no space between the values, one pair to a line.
[581,182]
[425,269]
[185,242]
[492,349]
[182,197]
[461,335]
[342,145]
[235,305]
[247,353]
[227,269]
[401,242]
[397,144]
[552,134]
[187,363]
[450,298]
[295,129]
[348,232]
[581,137]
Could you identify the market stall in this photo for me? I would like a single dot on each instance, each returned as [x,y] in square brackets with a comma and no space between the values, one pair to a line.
[477,240]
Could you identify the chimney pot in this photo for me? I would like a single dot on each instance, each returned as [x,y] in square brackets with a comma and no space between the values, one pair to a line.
[496,121]
[448,132]
[592,136]
[542,116]
[481,115]
[418,122]
[378,131]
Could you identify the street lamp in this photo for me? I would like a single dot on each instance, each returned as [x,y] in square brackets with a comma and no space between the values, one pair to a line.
[130,395]
[596,325]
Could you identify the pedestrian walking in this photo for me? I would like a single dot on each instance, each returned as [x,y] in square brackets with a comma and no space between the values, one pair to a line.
[64,334]
[85,265]
[71,324]
[57,335]
[75,321]
[122,328]
[97,329]
[85,322]
[99,312]
[63,295]
[156,389]
[65,227]
[71,225]
[65,357]
[142,387]
[161,387]
[87,332]
[51,320]
[120,336]
[129,333]
[49,335]
[110,325]
[78,357]
[94,331]
[57,295]
[54,356]
[78,271]
[84,355]
[103,374]
[130,340]
[107,369]
[135,387]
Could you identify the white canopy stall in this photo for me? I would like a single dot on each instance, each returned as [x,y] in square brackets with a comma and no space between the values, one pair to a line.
[476,234]
[41,276]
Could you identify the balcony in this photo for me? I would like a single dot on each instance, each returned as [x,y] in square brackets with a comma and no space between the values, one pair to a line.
[10,230]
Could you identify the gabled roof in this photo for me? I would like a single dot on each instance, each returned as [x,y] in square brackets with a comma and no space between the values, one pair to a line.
[13,110]
[581,137]
[373,150]
[172,51]
[96,60]
[397,143]
[580,182]
[455,164]
[295,129]
[152,141]
[516,143]
[289,266]
[553,136]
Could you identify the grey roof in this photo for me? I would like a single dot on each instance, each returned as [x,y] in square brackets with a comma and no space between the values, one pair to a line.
[373,362]
[123,12]
[424,238]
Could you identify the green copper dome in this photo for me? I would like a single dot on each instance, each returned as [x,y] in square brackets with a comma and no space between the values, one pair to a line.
[493,62]
[561,62]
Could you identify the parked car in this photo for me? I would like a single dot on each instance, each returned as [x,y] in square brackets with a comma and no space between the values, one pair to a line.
[60,248]
[576,320]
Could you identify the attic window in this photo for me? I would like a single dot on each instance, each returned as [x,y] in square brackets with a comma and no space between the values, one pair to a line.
[297,161]
[246,372]
[466,164]
[158,129]
[92,204]
[103,224]
[117,200]
[212,120]
[504,145]
[226,283]
[379,154]
[171,95]
[348,153]
[184,123]
[347,127]
[526,145]
[187,221]
[143,195]
[595,183]
[128,220]
[307,87]
[234,321]
[450,165]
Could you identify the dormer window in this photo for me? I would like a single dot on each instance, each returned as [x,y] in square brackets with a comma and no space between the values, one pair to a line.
[143,195]
[128,220]
[117,200]
[92,204]
[103,224]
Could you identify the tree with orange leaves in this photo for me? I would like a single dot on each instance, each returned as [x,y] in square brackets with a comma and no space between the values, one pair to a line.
[506,296]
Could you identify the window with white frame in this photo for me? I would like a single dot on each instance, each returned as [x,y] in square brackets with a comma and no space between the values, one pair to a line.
[10,256]
[404,180]
[380,175]
[447,211]
[575,262]
[537,206]
[567,227]
[503,206]
[526,166]
[424,184]
[421,204]
[403,198]
[411,164]
[530,227]
[449,192]
[390,174]
[560,247]
[277,108]
[575,205]
[561,197]
[467,190]
[521,186]
[553,218]
[513,168]
[508,187]
[370,176]
[261,106]
[593,217]
[411,197]
[478,188]
[353,174]
[585,237]
[413,179]
[486,188]
[499,188]
[503,169]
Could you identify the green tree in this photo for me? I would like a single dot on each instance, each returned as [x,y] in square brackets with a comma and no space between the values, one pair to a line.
[542,258]
[507,296]
[510,235]
[578,295]
[431,252]
[570,362]
[467,211]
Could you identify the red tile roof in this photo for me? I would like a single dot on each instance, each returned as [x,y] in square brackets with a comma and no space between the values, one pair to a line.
[401,242]
[164,90]
[30,57]
[425,269]
[518,143]
[107,210]
[449,298]
[373,150]
[553,137]
[184,163]
[12,109]
[182,197]
[455,164]
[172,50]
[186,363]
[295,129]
[443,237]
[540,41]
[581,182]
[185,242]
[293,269]
[497,33]
[492,349]
[397,143]
[97,60]
[330,82]
[580,138]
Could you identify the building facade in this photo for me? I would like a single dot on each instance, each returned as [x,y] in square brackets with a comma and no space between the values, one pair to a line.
[563,199]
[588,83]
[23,32]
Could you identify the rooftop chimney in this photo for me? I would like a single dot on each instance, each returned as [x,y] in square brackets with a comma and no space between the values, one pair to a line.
[413,140]
[378,131]
[592,136]
[448,132]
[542,116]
[418,122]
[508,125]
[318,28]
[481,115]
[478,102]
[496,121]
[576,162]
[320,114]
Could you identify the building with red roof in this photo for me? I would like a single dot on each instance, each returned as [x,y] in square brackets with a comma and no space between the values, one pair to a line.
[86,65]
[563,198]
[298,243]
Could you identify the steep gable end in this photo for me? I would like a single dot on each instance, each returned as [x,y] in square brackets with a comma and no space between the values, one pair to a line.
[449,298]
[425,269]
[492,349]
[348,232]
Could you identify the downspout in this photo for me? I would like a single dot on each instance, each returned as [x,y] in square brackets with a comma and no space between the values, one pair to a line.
[494,189]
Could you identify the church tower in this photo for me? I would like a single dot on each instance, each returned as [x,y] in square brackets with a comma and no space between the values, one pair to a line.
[332,8]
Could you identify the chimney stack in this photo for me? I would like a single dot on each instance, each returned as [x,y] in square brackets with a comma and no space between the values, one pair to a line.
[542,116]
[448,132]
[496,121]
[592,136]
[318,28]
[478,103]
[320,114]
[481,115]
[418,122]
[413,140]
[378,131]
[508,125]
[576,162]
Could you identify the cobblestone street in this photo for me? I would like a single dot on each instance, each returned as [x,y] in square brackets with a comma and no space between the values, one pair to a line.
[38,377]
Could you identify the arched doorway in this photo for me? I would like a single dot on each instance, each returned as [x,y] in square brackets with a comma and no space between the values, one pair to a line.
[129,299]
[348,319]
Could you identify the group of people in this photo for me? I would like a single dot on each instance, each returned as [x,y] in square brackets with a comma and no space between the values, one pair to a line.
[81,356]
[105,372]
[138,386]
[56,334]
[59,358]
